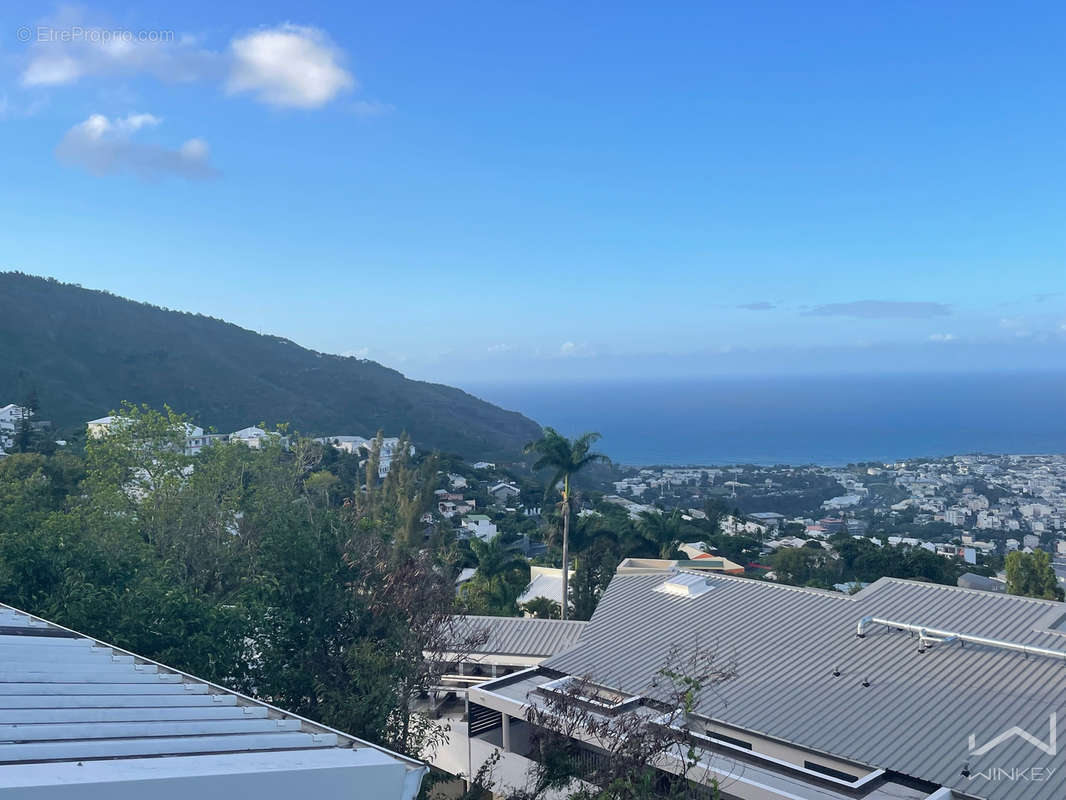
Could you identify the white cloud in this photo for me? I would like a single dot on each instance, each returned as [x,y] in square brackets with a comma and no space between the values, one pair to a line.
[942,337]
[291,65]
[99,51]
[52,70]
[500,348]
[106,146]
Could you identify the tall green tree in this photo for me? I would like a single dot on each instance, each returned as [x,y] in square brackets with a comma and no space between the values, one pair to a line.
[1031,574]
[662,531]
[500,576]
[565,458]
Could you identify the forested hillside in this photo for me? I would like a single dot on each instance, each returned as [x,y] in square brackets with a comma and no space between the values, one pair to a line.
[84,352]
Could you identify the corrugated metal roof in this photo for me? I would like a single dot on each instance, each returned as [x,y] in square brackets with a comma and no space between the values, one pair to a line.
[525,636]
[67,698]
[916,715]
[549,587]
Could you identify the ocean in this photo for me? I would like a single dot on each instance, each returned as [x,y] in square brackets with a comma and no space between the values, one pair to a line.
[830,420]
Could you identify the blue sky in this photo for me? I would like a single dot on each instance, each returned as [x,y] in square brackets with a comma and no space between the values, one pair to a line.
[492,191]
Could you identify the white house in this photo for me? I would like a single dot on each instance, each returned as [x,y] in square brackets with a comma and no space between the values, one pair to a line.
[389,447]
[347,444]
[83,720]
[99,427]
[843,501]
[10,417]
[253,436]
[480,526]
[195,439]
[546,582]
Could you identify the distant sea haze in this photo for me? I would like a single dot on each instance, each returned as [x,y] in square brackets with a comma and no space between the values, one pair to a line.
[829,420]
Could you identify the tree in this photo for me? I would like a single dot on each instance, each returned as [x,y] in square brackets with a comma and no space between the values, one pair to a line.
[662,531]
[27,437]
[542,608]
[240,565]
[565,458]
[1031,574]
[797,565]
[596,566]
[500,576]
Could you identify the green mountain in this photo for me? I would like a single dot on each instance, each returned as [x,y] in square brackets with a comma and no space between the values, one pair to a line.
[85,351]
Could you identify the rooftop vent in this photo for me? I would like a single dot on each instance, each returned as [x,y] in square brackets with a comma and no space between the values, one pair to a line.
[684,584]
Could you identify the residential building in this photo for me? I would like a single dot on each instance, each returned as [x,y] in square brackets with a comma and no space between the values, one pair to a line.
[969,580]
[508,645]
[195,439]
[770,519]
[903,690]
[480,526]
[99,427]
[503,493]
[546,582]
[253,436]
[736,526]
[84,720]
[389,447]
[843,501]
[345,443]
[11,416]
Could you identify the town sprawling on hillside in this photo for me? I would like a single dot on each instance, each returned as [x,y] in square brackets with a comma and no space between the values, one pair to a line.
[973,507]
[780,522]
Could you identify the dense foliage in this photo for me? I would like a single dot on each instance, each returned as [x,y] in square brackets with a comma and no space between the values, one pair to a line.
[860,560]
[1031,574]
[86,351]
[254,568]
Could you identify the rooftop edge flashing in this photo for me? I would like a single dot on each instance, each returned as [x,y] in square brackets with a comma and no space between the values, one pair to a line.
[348,740]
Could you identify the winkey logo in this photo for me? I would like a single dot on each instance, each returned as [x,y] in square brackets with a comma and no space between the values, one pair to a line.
[1050,747]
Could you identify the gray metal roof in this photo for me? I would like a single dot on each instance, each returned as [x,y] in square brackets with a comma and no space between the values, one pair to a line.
[918,711]
[525,636]
[67,700]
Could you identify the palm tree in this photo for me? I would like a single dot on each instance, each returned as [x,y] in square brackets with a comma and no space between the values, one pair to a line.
[565,458]
[662,531]
[542,608]
[500,576]
[494,560]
